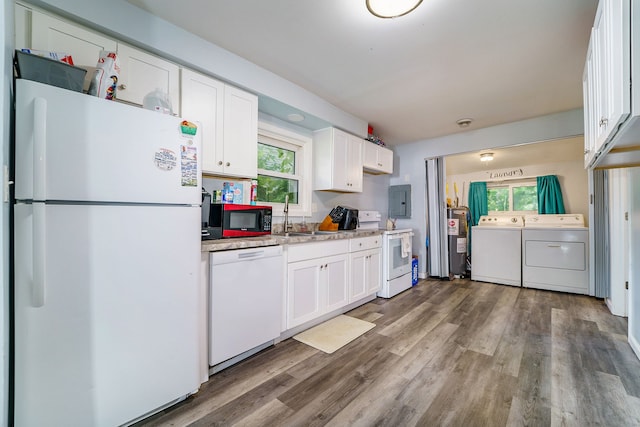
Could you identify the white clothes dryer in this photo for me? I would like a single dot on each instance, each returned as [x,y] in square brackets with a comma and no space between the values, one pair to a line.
[555,253]
[496,247]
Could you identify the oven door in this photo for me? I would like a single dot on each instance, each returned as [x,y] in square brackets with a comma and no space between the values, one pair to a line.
[396,264]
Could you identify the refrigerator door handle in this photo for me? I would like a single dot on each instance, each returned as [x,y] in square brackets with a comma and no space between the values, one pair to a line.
[39,148]
[39,244]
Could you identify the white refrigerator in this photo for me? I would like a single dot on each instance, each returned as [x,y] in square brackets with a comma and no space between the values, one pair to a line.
[107,259]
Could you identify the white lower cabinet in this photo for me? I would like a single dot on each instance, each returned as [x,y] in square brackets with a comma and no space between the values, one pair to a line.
[365,274]
[323,277]
[316,287]
[365,266]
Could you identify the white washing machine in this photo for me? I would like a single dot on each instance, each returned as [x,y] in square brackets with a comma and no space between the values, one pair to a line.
[555,253]
[496,246]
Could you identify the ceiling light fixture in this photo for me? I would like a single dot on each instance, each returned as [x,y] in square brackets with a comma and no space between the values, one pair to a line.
[295,117]
[486,157]
[391,8]
[464,123]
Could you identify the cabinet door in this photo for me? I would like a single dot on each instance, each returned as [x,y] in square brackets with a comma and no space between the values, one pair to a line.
[358,285]
[334,280]
[589,100]
[202,100]
[84,46]
[374,271]
[354,164]
[22,26]
[240,133]
[385,159]
[142,73]
[340,152]
[377,158]
[303,292]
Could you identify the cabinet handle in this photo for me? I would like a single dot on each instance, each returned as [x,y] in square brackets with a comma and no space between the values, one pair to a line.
[228,164]
[326,265]
[220,163]
[122,86]
[603,122]
[380,164]
[360,244]
[587,151]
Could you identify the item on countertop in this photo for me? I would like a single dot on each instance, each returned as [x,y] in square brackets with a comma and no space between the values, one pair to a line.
[232,192]
[158,100]
[105,79]
[254,192]
[58,56]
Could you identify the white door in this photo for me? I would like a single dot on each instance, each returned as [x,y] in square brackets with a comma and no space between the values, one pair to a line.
[303,292]
[240,133]
[358,276]
[374,271]
[203,101]
[136,155]
[84,46]
[105,311]
[334,280]
[142,73]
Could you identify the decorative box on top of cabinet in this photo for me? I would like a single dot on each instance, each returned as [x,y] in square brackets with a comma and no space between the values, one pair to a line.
[228,118]
[377,159]
[337,158]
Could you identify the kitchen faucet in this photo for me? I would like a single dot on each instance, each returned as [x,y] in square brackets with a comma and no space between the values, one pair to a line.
[286,214]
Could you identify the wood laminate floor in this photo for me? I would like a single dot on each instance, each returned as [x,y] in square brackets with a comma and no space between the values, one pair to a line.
[457,353]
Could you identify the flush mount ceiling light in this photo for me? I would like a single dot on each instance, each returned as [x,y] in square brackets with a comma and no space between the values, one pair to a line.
[391,8]
[295,117]
[486,157]
[464,123]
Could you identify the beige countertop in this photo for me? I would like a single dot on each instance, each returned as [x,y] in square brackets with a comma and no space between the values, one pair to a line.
[281,239]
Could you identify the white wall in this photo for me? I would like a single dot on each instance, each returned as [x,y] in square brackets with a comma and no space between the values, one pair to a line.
[409,166]
[571,175]
[6,41]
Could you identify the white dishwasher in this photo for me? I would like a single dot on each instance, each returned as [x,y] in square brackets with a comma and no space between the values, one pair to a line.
[245,303]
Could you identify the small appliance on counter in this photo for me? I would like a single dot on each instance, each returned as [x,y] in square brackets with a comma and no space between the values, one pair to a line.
[234,220]
[340,218]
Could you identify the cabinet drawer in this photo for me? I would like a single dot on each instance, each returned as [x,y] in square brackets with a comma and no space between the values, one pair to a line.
[304,251]
[364,243]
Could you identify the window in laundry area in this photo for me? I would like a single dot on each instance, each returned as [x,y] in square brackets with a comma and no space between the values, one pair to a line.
[516,196]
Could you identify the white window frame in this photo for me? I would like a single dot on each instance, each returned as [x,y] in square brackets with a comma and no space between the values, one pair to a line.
[302,145]
[510,185]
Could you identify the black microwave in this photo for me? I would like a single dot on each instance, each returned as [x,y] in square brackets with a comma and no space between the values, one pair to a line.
[233,220]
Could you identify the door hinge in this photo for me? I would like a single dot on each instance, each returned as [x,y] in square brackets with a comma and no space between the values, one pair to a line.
[626,285]
[626,216]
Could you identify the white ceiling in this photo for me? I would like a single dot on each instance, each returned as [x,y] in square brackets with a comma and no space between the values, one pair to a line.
[411,78]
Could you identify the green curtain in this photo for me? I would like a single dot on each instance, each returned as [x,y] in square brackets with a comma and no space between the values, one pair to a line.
[549,195]
[477,201]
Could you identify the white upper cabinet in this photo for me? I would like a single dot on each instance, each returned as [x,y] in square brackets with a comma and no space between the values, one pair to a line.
[84,46]
[377,159]
[142,73]
[240,133]
[228,118]
[607,81]
[337,158]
